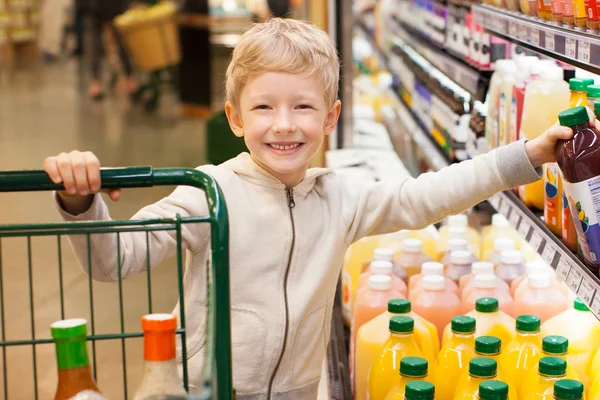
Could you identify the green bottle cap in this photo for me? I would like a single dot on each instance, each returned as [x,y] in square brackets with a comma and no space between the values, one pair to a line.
[579,84]
[483,367]
[573,116]
[579,305]
[493,390]
[399,306]
[552,366]
[402,324]
[555,345]
[568,389]
[486,305]
[597,108]
[463,324]
[69,338]
[528,323]
[488,345]
[593,91]
[413,366]
[419,390]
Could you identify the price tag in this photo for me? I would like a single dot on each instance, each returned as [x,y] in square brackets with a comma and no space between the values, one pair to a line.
[513,29]
[549,41]
[586,292]
[535,241]
[523,32]
[574,279]
[549,253]
[505,208]
[571,48]
[524,227]
[563,269]
[514,218]
[596,306]
[534,36]
[494,201]
[583,51]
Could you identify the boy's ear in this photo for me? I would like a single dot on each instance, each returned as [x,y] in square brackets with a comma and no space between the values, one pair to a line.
[332,117]
[235,119]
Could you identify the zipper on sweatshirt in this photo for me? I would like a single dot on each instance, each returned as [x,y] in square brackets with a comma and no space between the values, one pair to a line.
[291,204]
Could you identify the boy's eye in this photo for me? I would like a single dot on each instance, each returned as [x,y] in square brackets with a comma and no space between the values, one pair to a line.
[304,107]
[262,107]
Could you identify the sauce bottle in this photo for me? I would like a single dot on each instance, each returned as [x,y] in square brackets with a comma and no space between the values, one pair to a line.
[558,10]
[579,12]
[545,9]
[591,8]
[579,161]
[568,16]
[74,374]
[160,368]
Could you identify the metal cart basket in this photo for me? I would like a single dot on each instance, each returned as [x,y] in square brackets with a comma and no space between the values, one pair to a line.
[24,239]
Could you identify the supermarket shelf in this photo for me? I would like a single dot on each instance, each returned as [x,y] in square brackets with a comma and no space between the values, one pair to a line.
[568,267]
[572,45]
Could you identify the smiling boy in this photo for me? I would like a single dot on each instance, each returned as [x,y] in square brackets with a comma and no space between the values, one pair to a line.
[290,226]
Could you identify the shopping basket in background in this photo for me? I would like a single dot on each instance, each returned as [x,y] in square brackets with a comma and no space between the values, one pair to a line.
[40,282]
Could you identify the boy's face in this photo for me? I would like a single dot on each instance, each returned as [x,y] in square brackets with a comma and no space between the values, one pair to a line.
[284,119]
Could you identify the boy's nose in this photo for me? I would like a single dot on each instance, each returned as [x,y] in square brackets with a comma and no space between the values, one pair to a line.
[283,124]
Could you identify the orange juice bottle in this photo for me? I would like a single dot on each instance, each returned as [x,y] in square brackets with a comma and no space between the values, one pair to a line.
[493,390]
[419,390]
[430,268]
[481,268]
[568,389]
[384,371]
[532,267]
[486,285]
[373,334]
[550,370]
[454,244]
[481,369]
[411,369]
[491,347]
[434,303]
[382,268]
[540,297]
[380,254]
[594,374]
[523,352]
[470,234]
[554,346]
[500,228]
[411,257]
[460,265]
[454,357]
[511,266]
[501,245]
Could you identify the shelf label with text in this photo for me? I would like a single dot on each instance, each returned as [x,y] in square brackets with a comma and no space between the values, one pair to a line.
[574,279]
[571,48]
[522,33]
[513,29]
[536,240]
[563,269]
[549,253]
[549,41]
[534,36]
[505,208]
[595,307]
[514,218]
[586,292]
[583,51]
[524,228]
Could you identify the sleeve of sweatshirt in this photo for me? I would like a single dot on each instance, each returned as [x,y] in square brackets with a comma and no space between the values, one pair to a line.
[392,205]
[132,247]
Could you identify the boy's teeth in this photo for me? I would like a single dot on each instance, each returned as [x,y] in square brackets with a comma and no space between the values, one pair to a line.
[278,147]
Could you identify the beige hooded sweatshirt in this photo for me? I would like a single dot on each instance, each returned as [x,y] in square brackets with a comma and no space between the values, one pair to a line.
[287,247]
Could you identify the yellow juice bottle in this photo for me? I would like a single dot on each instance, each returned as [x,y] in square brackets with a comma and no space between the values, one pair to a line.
[419,390]
[481,369]
[470,235]
[554,346]
[384,371]
[550,370]
[454,357]
[568,389]
[594,374]
[523,352]
[491,347]
[493,390]
[411,369]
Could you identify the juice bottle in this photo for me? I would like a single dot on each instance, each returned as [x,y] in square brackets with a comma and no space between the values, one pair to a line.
[383,375]
[382,268]
[580,12]
[479,268]
[411,369]
[558,10]
[379,254]
[393,241]
[508,83]
[537,267]
[530,268]
[545,9]
[485,285]
[454,244]
[459,221]
[511,266]
[554,346]
[551,94]
[568,16]
[429,236]
[540,297]
[481,369]
[525,65]
[454,357]
[491,347]
[430,268]
[411,257]
[500,244]
[592,92]
[419,390]
[550,370]
[373,334]
[591,8]
[500,228]
[579,161]
[568,389]
[582,329]
[493,390]
[524,351]
[493,102]
[460,265]
[435,303]
[594,374]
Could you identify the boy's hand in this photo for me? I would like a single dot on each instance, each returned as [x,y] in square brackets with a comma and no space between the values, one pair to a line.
[79,172]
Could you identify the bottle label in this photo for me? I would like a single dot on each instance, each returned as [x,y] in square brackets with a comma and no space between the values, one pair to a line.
[557,7]
[584,202]
[568,229]
[512,127]
[552,197]
[502,121]
[568,8]
[347,296]
[579,8]
[591,10]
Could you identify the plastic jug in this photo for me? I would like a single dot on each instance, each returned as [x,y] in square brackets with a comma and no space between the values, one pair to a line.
[486,285]
[411,257]
[508,83]
[568,389]
[511,266]
[499,229]
[454,357]
[382,268]
[523,352]
[491,347]
[454,244]
[435,303]
[493,101]
[481,369]
[430,268]
[393,241]
[500,245]
[540,298]
[493,390]
[373,334]
[460,265]
[384,254]
[429,236]
[383,375]
[530,268]
[554,346]
[550,370]
[594,375]
[459,221]
[411,369]
[539,266]
[479,268]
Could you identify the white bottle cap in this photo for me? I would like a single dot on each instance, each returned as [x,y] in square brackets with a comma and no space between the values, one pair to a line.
[553,74]
[539,280]
[482,267]
[380,267]
[500,221]
[511,257]
[457,220]
[485,281]
[461,257]
[457,244]
[384,254]
[504,244]
[430,268]
[457,232]
[534,267]
[412,245]
[380,282]
[433,282]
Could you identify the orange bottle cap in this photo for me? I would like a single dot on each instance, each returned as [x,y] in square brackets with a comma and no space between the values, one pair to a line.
[159,336]
[159,322]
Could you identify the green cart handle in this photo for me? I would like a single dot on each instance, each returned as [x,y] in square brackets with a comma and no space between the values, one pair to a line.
[137,177]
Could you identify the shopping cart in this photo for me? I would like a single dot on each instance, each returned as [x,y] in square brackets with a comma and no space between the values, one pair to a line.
[217,370]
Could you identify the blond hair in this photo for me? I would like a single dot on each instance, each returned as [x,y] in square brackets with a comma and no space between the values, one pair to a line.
[283,45]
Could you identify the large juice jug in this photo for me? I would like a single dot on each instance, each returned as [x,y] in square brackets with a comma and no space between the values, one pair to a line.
[511,266]
[430,268]
[393,241]
[460,265]
[540,298]
[500,245]
[508,84]
[493,102]
[382,268]
[551,94]
[491,347]
[435,303]
[568,389]
[493,390]
[523,352]
[429,236]
[486,285]
[490,321]
[480,268]
[582,329]
[383,254]
[383,375]
[373,334]
[454,244]
[411,369]
[419,390]
[481,369]
[550,370]
[411,257]
[454,357]
[459,221]
[536,267]
[579,161]
[594,374]
[500,228]
[525,65]
[554,346]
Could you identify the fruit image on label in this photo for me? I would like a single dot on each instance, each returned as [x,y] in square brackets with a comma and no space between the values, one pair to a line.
[552,207]
[584,202]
